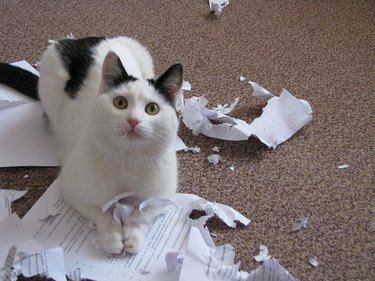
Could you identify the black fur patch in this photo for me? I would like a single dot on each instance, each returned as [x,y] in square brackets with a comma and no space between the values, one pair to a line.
[123,77]
[19,79]
[77,57]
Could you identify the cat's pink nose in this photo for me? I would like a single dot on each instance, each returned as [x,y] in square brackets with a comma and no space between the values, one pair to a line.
[133,122]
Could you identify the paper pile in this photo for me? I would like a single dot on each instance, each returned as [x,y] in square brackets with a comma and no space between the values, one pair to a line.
[281,118]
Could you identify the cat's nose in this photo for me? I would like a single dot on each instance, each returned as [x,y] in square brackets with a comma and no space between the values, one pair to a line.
[133,122]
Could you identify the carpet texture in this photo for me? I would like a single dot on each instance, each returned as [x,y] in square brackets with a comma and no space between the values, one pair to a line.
[321,51]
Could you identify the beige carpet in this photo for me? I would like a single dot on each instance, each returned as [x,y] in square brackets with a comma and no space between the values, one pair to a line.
[321,51]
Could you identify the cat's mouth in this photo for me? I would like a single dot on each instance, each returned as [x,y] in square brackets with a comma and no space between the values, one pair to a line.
[132,135]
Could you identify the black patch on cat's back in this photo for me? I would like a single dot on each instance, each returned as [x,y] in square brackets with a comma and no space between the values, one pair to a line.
[77,57]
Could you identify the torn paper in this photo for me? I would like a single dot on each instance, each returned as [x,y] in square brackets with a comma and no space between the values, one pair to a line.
[242,78]
[282,117]
[270,270]
[314,262]
[125,204]
[48,263]
[216,149]
[343,166]
[259,91]
[7,196]
[167,233]
[214,159]
[6,269]
[217,6]
[263,254]
[302,223]
[194,149]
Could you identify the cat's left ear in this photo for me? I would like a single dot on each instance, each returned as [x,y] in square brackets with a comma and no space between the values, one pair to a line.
[113,72]
[169,84]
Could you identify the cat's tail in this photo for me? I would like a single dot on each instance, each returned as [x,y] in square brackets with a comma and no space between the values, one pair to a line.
[19,79]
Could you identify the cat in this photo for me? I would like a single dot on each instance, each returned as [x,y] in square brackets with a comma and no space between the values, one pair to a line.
[115,124]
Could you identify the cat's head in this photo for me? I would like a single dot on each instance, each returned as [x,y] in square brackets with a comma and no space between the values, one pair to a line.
[135,114]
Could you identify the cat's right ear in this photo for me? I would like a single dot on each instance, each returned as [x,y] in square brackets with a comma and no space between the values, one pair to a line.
[113,72]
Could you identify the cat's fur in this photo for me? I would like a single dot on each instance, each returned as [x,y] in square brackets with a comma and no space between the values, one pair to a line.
[105,150]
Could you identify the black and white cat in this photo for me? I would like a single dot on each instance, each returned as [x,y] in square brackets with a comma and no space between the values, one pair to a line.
[116,127]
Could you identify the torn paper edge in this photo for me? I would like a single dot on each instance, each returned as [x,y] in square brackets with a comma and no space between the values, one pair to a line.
[301,223]
[291,113]
[263,254]
[217,6]
[314,262]
[343,166]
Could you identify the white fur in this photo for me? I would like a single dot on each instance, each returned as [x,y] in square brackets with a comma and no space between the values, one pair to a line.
[100,156]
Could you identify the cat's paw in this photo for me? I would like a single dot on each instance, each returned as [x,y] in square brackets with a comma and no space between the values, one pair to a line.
[111,242]
[134,235]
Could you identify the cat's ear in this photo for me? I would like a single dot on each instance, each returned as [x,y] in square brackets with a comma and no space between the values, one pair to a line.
[169,84]
[113,72]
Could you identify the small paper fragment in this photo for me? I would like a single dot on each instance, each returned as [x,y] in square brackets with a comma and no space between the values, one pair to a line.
[343,166]
[26,176]
[263,254]
[216,149]
[231,168]
[217,6]
[226,213]
[314,262]
[194,149]
[302,223]
[214,159]
[242,78]
[260,92]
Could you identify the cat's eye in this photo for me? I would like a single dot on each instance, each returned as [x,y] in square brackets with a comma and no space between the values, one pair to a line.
[120,102]
[152,108]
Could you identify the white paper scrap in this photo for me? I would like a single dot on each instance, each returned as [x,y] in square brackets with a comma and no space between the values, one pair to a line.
[270,270]
[216,149]
[263,254]
[6,270]
[226,213]
[194,149]
[217,6]
[302,223]
[203,260]
[282,117]
[48,263]
[259,91]
[231,168]
[242,78]
[343,166]
[14,234]
[7,196]
[125,204]
[214,159]
[314,262]
[167,233]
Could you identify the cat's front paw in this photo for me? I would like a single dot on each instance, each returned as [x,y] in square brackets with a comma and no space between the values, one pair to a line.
[111,242]
[134,235]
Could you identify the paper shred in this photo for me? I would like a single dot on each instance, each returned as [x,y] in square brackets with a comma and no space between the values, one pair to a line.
[242,78]
[314,262]
[194,149]
[214,159]
[343,166]
[302,223]
[216,149]
[263,254]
